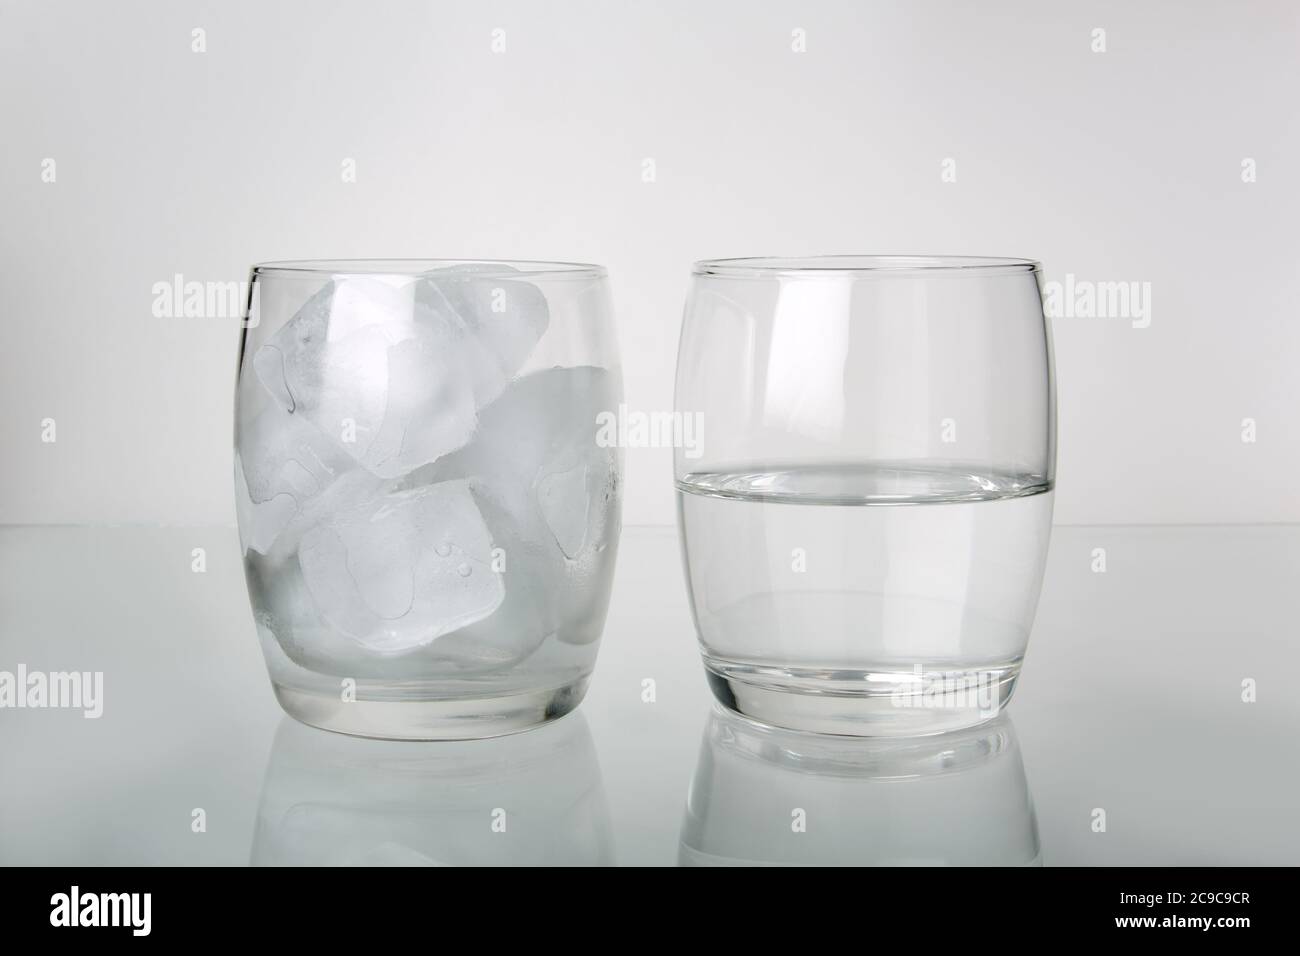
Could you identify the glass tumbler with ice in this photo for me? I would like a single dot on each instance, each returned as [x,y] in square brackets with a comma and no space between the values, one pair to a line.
[428,519]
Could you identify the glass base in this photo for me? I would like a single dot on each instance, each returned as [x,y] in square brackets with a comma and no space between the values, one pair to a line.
[449,719]
[864,703]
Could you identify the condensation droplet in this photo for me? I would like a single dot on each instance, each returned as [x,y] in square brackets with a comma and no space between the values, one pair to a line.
[464,570]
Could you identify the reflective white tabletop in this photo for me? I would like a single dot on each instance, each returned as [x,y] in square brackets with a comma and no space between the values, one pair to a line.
[1130,712]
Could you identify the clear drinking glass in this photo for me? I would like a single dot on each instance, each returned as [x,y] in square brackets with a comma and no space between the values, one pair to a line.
[429,523]
[865,520]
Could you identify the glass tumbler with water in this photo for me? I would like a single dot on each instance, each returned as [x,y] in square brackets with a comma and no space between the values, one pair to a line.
[865,519]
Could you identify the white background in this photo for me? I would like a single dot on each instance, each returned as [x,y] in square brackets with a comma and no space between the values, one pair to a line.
[1115,166]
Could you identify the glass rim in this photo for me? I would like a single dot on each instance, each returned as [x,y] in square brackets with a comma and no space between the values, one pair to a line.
[504,268]
[839,266]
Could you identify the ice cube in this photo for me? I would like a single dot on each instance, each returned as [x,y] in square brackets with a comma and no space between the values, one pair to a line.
[549,494]
[282,453]
[507,316]
[355,363]
[569,498]
[281,461]
[400,569]
[393,370]
[260,522]
[430,408]
[543,434]
[287,615]
[538,441]
[351,489]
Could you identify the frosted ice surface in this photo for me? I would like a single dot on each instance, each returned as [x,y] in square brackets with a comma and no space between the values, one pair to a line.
[350,489]
[506,316]
[397,571]
[565,498]
[547,492]
[393,370]
[260,522]
[535,455]
[281,461]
